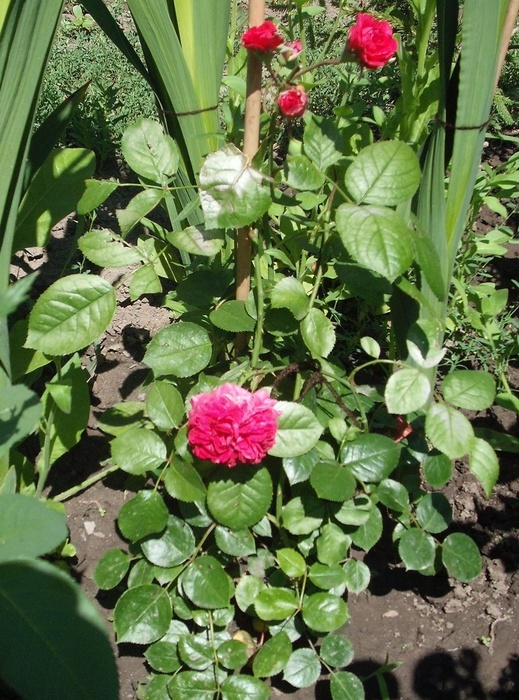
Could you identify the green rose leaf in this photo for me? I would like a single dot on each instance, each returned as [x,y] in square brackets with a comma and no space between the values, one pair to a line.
[386,173]
[377,238]
[70,314]
[332,544]
[437,469]
[23,407]
[233,654]
[142,614]
[240,497]
[96,192]
[232,316]
[332,481]
[322,142]
[192,685]
[289,293]
[231,191]
[174,546]
[239,687]
[206,584]
[182,481]
[111,569]
[197,241]
[346,686]
[137,208]
[236,543]
[138,451]
[369,533]
[162,657]
[393,495]
[28,528]
[434,512]
[144,281]
[336,651]
[324,612]
[196,653]
[143,515]
[298,430]
[303,668]
[150,152]
[301,174]
[273,656]
[461,557]
[247,590]
[327,577]
[298,469]
[164,405]
[406,391]
[483,463]
[355,511]
[449,430]
[318,333]
[291,562]
[470,389]
[358,575]
[371,457]
[106,249]
[275,604]
[182,349]
[303,515]
[417,549]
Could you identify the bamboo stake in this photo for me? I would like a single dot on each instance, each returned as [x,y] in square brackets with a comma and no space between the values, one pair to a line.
[508,28]
[250,146]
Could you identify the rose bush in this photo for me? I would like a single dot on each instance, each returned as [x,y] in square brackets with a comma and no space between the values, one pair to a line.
[372,41]
[264,38]
[292,102]
[231,425]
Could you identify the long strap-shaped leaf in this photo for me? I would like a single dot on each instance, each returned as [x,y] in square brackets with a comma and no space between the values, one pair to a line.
[26,37]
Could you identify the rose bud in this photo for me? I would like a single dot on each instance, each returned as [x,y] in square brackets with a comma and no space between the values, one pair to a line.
[292,102]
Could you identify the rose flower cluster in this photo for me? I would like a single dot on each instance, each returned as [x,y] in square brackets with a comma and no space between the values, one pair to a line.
[371,41]
[231,425]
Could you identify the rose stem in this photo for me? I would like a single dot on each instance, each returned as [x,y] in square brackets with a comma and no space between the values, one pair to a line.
[250,146]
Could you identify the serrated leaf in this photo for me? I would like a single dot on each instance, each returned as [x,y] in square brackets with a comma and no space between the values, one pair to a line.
[70,314]
[371,457]
[437,469]
[231,191]
[272,657]
[142,614]
[417,549]
[96,192]
[137,208]
[448,430]
[469,389]
[406,391]
[197,241]
[336,651]
[461,557]
[195,653]
[164,405]
[173,547]
[182,349]
[111,569]
[326,576]
[237,543]
[322,142]
[182,481]
[106,249]
[332,481]
[291,562]
[332,544]
[247,590]
[275,604]
[369,533]
[346,686]
[240,497]
[393,495]
[483,463]
[233,654]
[143,515]
[144,281]
[358,575]
[150,152]
[303,668]
[232,316]
[298,430]
[138,451]
[163,657]
[301,174]
[239,687]
[289,293]
[318,333]
[386,173]
[324,612]
[377,238]
[303,515]
[434,513]
[192,685]
[206,584]
[20,409]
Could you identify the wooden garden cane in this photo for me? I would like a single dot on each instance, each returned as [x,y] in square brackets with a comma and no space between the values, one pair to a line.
[508,29]
[250,146]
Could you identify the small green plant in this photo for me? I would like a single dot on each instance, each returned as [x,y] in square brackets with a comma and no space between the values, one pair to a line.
[81,21]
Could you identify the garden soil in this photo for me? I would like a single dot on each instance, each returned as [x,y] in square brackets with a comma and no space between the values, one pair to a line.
[445,640]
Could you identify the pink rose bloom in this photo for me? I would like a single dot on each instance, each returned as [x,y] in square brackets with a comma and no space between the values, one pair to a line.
[231,425]
[263,39]
[292,50]
[292,102]
[372,41]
